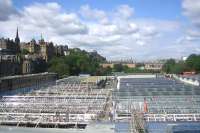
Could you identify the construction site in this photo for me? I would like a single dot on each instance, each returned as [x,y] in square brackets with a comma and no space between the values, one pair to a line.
[118,104]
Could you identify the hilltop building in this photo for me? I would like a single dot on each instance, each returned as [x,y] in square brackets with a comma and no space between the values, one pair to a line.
[27,57]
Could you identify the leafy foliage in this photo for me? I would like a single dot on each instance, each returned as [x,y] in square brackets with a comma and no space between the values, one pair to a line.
[126,69]
[77,62]
[191,64]
[118,68]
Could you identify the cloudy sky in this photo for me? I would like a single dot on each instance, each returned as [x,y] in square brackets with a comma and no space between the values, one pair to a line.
[117,29]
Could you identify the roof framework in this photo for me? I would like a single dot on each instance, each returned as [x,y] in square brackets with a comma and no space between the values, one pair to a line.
[67,102]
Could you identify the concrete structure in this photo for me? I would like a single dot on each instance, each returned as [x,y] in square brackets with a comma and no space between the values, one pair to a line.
[192,80]
[10,83]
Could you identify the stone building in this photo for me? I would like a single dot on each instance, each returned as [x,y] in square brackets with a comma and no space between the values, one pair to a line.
[154,66]
[129,63]
[9,65]
[31,47]
[33,63]
[27,67]
[10,45]
[47,50]
[42,49]
[61,50]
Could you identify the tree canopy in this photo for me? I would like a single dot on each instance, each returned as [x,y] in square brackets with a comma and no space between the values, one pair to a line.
[191,64]
[77,62]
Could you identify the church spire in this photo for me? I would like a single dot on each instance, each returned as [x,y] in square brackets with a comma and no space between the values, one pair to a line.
[17,40]
[17,35]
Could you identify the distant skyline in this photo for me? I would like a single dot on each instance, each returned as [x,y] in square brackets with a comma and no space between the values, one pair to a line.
[117,29]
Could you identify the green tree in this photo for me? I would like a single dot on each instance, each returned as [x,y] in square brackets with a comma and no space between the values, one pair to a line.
[76,62]
[168,66]
[179,68]
[118,67]
[193,62]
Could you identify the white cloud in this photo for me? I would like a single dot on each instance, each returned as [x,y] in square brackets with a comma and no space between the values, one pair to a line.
[93,14]
[124,11]
[192,10]
[6,9]
[115,34]
[43,18]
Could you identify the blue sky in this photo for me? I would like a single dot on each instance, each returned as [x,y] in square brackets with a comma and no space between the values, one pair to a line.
[160,9]
[117,29]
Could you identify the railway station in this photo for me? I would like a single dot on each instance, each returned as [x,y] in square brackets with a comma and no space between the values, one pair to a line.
[128,104]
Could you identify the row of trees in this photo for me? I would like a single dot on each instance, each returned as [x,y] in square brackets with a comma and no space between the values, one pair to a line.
[82,62]
[126,69]
[191,64]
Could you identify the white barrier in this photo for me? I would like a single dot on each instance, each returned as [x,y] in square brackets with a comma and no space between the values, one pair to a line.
[187,80]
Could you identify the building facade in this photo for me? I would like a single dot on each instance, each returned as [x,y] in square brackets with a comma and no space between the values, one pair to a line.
[27,67]
[9,65]
[153,66]
[10,45]
[31,47]
[26,58]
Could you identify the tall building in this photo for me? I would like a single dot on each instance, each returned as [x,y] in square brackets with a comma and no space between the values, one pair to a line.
[47,50]
[17,42]
[9,65]
[7,45]
[10,45]
[31,47]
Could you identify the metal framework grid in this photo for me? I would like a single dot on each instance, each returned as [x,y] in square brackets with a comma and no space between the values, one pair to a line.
[167,100]
[67,102]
